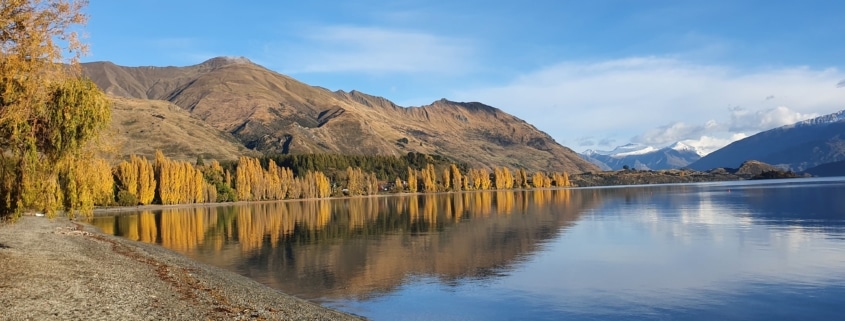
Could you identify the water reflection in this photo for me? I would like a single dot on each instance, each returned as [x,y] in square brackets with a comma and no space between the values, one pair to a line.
[737,250]
[360,247]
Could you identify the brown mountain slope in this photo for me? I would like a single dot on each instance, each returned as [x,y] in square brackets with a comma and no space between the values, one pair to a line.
[274,113]
[141,126]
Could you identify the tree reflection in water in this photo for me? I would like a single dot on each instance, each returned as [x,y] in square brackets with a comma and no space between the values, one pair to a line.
[360,247]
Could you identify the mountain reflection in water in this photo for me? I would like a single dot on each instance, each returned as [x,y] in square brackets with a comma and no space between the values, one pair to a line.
[361,247]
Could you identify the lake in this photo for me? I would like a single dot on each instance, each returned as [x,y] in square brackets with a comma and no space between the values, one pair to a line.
[749,250]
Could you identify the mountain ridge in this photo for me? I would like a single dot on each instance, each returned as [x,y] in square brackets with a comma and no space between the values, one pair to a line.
[274,113]
[794,147]
[677,155]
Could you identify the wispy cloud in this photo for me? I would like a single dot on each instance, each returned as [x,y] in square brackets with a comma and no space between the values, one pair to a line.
[661,100]
[338,49]
[678,131]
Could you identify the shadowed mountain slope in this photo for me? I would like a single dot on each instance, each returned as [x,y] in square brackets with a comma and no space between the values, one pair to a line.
[273,113]
[795,147]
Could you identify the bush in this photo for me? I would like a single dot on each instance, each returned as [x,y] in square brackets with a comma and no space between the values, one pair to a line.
[225,193]
[124,198]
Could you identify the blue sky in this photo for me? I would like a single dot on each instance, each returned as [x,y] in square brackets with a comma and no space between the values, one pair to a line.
[593,74]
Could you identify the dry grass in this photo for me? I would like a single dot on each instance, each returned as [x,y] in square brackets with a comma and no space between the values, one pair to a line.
[141,127]
[263,109]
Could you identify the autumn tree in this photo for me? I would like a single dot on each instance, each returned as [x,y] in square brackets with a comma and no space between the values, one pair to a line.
[486,183]
[521,179]
[561,179]
[397,185]
[179,182]
[137,178]
[429,179]
[354,181]
[498,178]
[457,178]
[324,188]
[508,177]
[47,113]
[412,180]
[541,180]
[85,182]
[372,186]
[249,178]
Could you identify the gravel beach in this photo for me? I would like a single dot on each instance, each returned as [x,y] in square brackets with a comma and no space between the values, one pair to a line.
[64,270]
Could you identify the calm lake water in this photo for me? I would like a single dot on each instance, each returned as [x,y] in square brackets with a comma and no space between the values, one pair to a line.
[754,250]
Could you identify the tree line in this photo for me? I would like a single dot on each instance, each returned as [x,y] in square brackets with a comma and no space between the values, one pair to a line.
[140,181]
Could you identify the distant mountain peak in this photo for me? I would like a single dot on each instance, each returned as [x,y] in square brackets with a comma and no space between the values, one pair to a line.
[631,149]
[643,157]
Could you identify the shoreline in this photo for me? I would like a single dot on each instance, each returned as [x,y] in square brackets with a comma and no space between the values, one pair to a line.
[60,269]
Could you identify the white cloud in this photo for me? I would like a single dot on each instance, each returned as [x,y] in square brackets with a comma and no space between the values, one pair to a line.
[712,135]
[755,121]
[635,99]
[708,144]
[670,133]
[374,50]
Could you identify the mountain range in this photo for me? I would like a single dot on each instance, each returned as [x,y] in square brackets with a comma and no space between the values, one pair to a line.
[226,107]
[642,157]
[796,147]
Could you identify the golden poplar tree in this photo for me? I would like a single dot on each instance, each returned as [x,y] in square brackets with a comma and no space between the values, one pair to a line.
[484,176]
[397,185]
[167,174]
[287,181]
[429,178]
[521,178]
[127,177]
[499,179]
[274,181]
[354,181]
[243,183]
[412,180]
[146,179]
[372,187]
[324,188]
[561,179]
[457,178]
[508,177]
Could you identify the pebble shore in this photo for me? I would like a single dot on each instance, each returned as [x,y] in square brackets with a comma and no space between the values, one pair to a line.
[57,269]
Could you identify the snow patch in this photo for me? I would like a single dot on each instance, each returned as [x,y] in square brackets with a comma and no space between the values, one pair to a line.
[826,119]
[646,150]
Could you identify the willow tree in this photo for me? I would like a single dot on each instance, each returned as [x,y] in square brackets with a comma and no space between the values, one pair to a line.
[47,113]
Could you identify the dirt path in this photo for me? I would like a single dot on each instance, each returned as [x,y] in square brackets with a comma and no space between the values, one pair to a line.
[61,270]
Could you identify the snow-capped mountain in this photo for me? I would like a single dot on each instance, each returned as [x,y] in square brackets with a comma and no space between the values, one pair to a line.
[643,157]
[796,147]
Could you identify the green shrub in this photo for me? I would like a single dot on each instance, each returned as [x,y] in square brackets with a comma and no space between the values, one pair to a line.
[124,198]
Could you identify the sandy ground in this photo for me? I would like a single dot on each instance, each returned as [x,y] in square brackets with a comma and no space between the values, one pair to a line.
[63,270]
